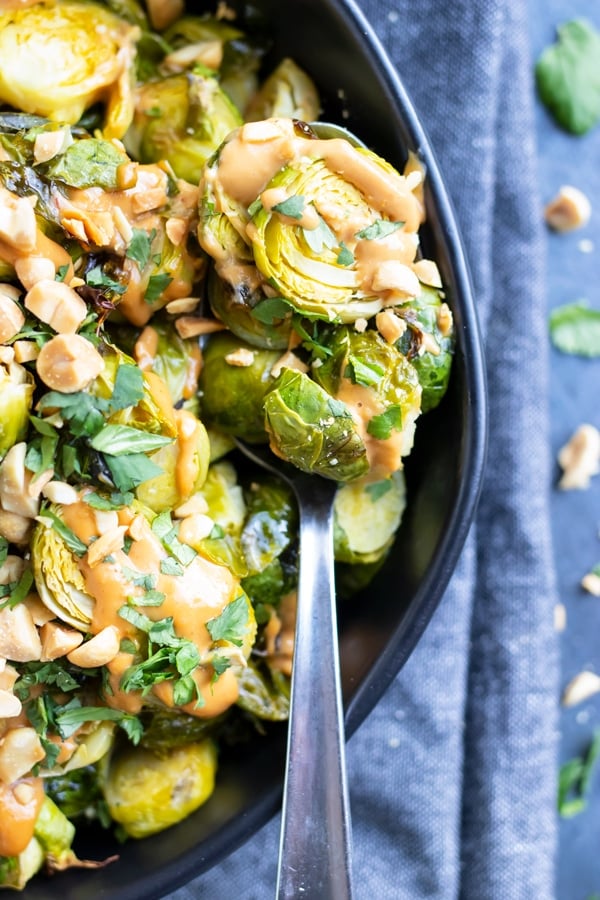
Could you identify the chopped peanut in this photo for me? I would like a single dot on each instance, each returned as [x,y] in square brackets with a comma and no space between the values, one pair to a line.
[288,360]
[11,318]
[106,519]
[196,504]
[392,275]
[56,304]
[7,355]
[49,144]
[146,347]
[26,351]
[242,357]
[569,210]
[11,569]
[39,611]
[31,269]
[560,617]
[20,750]
[427,272]
[580,458]
[19,638]
[106,544]
[60,492]
[122,224]
[444,320]
[67,363]
[182,305]
[428,344]
[137,528]
[581,688]
[193,326]
[15,480]
[163,13]
[18,227]
[10,706]
[390,326]
[591,583]
[360,325]
[58,640]
[14,528]
[98,651]
[195,528]
[8,676]
[176,228]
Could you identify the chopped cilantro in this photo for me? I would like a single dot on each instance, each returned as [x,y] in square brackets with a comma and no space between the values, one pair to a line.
[292,207]
[156,285]
[378,489]
[575,779]
[381,426]
[119,440]
[129,387]
[575,329]
[74,543]
[68,720]
[231,625]
[379,229]
[170,566]
[320,237]
[140,246]
[61,272]
[345,256]
[3,550]
[129,471]
[568,77]
[97,278]
[272,310]
[364,373]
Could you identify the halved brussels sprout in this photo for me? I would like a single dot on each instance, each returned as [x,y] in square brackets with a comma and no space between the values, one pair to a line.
[311,429]
[231,394]
[288,92]
[224,497]
[265,694]
[16,394]
[92,745]
[366,518]
[58,59]
[271,524]
[175,360]
[58,580]
[428,343]
[146,793]
[234,303]
[16,871]
[382,390]
[182,118]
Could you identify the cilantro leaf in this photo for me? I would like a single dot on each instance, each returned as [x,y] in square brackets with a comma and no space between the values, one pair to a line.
[83,413]
[69,537]
[88,162]
[345,256]
[140,246]
[129,471]
[231,625]
[129,387]
[379,229]
[319,237]
[170,566]
[119,440]
[568,77]
[381,426]
[68,720]
[272,310]
[96,277]
[115,501]
[364,373]
[3,550]
[378,489]
[61,272]
[575,779]
[292,207]
[575,329]
[156,285]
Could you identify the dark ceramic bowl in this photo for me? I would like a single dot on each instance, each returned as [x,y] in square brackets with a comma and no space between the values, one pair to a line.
[379,629]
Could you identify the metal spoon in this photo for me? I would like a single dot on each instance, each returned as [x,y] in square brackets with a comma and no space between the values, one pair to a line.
[315,844]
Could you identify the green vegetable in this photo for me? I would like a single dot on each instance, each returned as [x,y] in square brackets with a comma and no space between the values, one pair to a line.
[88,163]
[575,329]
[575,779]
[16,394]
[264,694]
[16,871]
[366,518]
[568,77]
[312,430]
[271,524]
[288,93]
[146,794]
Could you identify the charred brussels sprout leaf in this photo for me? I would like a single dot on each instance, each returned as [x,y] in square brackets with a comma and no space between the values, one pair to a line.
[287,92]
[263,695]
[237,305]
[232,395]
[88,163]
[271,523]
[312,430]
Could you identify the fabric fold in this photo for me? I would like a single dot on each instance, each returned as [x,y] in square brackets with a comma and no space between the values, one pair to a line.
[452,776]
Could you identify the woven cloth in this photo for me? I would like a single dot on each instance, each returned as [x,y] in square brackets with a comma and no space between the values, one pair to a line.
[452,776]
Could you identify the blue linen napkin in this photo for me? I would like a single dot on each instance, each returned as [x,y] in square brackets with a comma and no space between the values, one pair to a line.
[452,776]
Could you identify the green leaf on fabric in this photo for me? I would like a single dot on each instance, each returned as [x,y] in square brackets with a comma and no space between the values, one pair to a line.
[575,329]
[568,77]
[574,780]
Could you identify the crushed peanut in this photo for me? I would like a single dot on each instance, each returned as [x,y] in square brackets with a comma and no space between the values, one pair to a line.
[49,144]
[580,458]
[395,276]
[14,527]
[390,326]
[288,360]
[560,617]
[360,325]
[10,706]
[591,583]
[58,640]
[427,272]
[60,492]
[19,638]
[11,318]
[444,320]
[107,543]
[99,650]
[18,227]
[25,351]
[195,528]
[20,750]
[68,363]
[56,304]
[31,269]
[580,688]
[242,357]
[569,210]
[15,480]
[182,305]
[196,504]
[194,326]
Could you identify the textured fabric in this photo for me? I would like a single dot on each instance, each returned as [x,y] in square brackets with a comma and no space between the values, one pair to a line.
[453,774]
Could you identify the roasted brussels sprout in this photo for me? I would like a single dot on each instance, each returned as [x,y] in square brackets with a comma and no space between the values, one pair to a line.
[16,393]
[288,92]
[382,390]
[16,871]
[271,524]
[428,343]
[263,693]
[182,118]
[235,303]
[311,429]
[176,361]
[58,59]
[233,384]
[366,518]
[147,793]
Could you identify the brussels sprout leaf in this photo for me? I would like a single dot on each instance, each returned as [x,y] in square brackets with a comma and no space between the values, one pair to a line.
[88,163]
[381,426]
[232,623]
[292,207]
[568,77]
[379,229]
[575,329]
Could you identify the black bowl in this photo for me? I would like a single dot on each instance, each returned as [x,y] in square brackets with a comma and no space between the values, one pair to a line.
[379,629]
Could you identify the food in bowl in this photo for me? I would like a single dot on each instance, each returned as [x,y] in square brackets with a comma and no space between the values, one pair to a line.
[184,260]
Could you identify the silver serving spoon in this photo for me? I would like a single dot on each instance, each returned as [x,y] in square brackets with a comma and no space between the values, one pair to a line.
[315,844]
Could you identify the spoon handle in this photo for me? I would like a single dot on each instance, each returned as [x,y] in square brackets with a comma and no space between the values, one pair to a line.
[315,848]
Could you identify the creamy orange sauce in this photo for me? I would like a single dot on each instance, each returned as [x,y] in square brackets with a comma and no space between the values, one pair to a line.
[17,819]
[191,599]
[188,464]
[280,633]
[384,456]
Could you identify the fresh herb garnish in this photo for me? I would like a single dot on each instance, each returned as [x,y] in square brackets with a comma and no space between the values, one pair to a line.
[61,272]
[128,389]
[378,489]
[272,310]
[575,329]
[16,591]
[231,625]
[140,246]
[345,256]
[130,470]
[378,229]
[292,207]
[99,279]
[568,77]
[380,427]
[74,543]
[575,779]
[362,372]
[69,719]
[156,285]
[170,566]
[320,237]
[122,439]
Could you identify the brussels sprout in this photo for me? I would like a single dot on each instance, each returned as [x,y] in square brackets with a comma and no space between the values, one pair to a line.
[184,465]
[287,93]
[235,305]
[224,497]
[177,361]
[182,118]
[56,60]
[165,729]
[312,430]
[264,694]
[271,524]
[428,343]
[78,793]
[220,444]
[366,518]
[232,395]
[58,580]
[16,393]
[351,578]
[380,387]
[146,793]
[16,871]
[92,745]
[54,832]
